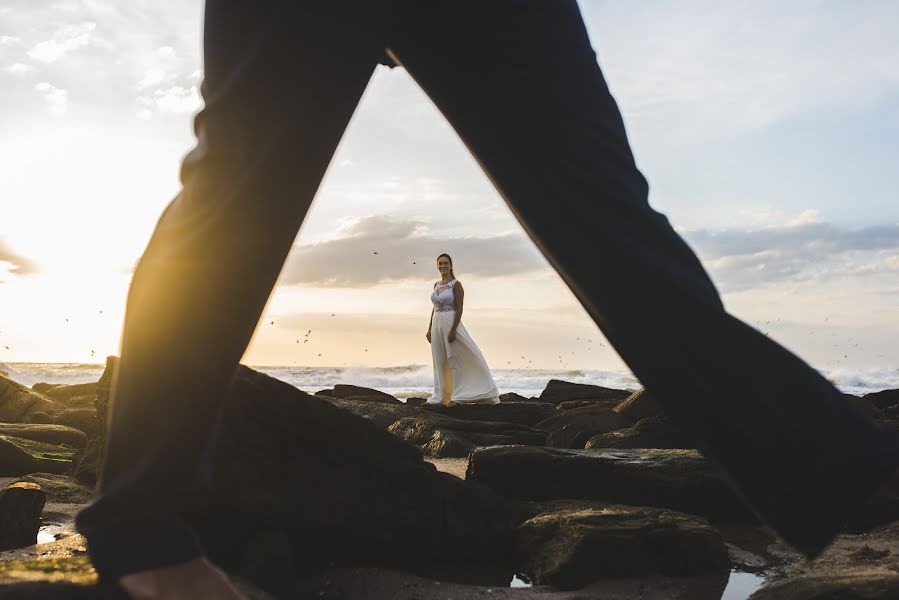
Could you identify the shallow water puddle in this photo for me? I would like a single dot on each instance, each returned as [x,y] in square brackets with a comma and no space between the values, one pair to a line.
[519,583]
[741,585]
[44,537]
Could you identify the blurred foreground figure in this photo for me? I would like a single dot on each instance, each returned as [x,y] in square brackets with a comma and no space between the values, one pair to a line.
[519,82]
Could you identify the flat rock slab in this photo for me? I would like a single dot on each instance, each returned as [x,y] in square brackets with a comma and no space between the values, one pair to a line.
[382,414]
[681,480]
[19,456]
[445,437]
[572,428]
[636,438]
[50,434]
[522,413]
[572,546]
[557,391]
[871,585]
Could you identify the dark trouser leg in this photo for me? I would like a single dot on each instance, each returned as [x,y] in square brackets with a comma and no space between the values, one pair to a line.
[519,82]
[282,81]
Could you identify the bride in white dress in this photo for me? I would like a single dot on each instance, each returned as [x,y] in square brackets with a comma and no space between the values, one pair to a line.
[461,374]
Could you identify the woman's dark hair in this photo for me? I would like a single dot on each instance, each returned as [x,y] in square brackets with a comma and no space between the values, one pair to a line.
[450,258]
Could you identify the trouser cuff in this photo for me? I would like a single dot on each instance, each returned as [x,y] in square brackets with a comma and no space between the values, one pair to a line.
[146,542]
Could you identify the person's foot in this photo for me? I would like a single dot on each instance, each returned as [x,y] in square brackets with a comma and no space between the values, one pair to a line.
[197,578]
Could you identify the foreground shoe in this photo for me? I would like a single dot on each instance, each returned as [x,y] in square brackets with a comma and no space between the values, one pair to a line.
[197,578]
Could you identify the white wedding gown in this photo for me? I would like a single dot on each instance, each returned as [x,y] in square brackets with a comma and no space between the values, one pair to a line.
[460,372]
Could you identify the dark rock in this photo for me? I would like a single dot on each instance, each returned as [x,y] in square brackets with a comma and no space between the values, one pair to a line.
[382,414]
[575,404]
[346,391]
[578,425]
[639,405]
[865,405]
[87,469]
[40,418]
[50,434]
[522,413]
[329,393]
[681,480]
[60,488]
[41,388]
[513,397]
[557,391]
[21,505]
[18,403]
[95,449]
[452,434]
[20,456]
[416,401]
[635,438]
[341,488]
[65,394]
[875,585]
[383,399]
[82,419]
[572,546]
[883,399]
[448,444]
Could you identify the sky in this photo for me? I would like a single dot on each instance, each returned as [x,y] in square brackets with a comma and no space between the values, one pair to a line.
[768,133]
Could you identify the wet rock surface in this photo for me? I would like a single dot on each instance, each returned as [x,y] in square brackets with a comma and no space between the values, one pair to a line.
[47,433]
[522,413]
[19,456]
[572,428]
[573,544]
[681,480]
[445,437]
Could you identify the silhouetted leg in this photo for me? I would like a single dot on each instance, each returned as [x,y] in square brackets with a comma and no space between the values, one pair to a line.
[519,82]
[282,81]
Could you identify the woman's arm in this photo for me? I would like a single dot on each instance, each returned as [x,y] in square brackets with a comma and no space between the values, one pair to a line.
[458,298]
[431,320]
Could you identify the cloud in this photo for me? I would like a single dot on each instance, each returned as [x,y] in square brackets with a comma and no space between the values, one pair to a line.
[66,39]
[18,265]
[800,249]
[376,249]
[19,69]
[57,99]
[177,100]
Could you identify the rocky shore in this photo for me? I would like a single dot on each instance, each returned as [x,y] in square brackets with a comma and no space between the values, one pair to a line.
[582,492]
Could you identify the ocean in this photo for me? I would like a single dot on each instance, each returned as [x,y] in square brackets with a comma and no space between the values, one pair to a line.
[416,380]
